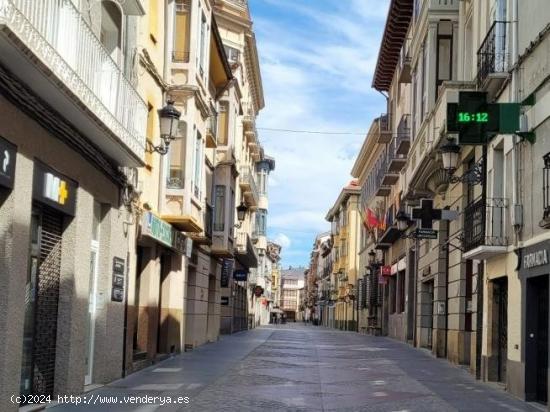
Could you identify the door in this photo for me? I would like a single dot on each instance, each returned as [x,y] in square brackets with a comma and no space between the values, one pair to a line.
[500,299]
[536,348]
[92,294]
[41,302]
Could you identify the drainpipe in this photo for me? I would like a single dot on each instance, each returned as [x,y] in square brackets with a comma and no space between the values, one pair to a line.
[517,220]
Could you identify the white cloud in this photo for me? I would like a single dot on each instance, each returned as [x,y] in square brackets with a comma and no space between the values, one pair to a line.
[283,240]
[317,62]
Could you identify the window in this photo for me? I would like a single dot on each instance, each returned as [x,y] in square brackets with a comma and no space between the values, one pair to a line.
[151,114]
[176,160]
[261,222]
[444,53]
[198,162]
[202,44]
[181,32]
[232,215]
[393,294]
[223,129]
[424,86]
[232,54]
[219,209]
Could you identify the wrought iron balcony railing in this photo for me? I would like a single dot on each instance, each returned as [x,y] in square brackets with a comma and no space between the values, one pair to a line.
[58,35]
[485,223]
[493,55]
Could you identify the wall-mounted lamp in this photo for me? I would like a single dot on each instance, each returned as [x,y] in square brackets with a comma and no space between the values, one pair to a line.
[450,154]
[242,209]
[169,121]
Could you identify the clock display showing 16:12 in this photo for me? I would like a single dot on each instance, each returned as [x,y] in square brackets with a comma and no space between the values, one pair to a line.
[476,117]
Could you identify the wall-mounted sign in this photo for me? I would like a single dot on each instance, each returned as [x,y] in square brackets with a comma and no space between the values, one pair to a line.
[476,121]
[385,270]
[536,258]
[117,291]
[54,189]
[227,269]
[163,232]
[240,275]
[224,300]
[382,280]
[8,153]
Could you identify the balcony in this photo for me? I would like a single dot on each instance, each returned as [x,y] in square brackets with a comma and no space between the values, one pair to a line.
[383,131]
[205,237]
[405,63]
[245,251]
[212,130]
[484,234]
[382,189]
[403,137]
[443,5]
[493,59]
[391,166]
[247,182]
[52,49]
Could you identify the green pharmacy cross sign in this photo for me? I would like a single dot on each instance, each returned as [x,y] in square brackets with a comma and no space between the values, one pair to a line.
[476,121]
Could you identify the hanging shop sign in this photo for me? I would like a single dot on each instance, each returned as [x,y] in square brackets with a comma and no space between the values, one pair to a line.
[240,275]
[117,290]
[8,153]
[382,280]
[54,189]
[385,270]
[163,232]
[227,269]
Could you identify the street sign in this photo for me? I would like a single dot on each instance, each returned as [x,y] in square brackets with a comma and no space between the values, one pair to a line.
[426,233]
[240,275]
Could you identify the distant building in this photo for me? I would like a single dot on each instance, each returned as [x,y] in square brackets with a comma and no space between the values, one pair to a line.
[292,289]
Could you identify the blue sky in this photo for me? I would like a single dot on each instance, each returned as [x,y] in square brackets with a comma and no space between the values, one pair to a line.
[317,59]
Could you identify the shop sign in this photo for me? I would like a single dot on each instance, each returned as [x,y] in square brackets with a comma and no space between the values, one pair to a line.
[224,301]
[240,275]
[227,269]
[54,189]
[386,270]
[382,280]
[8,153]
[536,258]
[157,229]
[163,232]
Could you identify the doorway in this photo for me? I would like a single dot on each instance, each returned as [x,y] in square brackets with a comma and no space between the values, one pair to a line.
[536,346]
[92,293]
[500,327]
[41,302]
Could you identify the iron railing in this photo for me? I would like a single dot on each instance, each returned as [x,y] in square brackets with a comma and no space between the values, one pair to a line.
[493,56]
[485,223]
[247,178]
[384,122]
[57,33]
[179,56]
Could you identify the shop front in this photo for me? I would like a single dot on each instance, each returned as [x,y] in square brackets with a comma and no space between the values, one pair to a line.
[155,313]
[534,269]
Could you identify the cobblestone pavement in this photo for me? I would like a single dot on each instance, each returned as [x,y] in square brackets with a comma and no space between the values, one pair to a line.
[297,367]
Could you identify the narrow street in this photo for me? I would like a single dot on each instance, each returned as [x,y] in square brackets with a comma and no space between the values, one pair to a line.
[296,367]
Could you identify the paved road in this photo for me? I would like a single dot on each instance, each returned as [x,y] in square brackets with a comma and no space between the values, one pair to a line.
[306,368]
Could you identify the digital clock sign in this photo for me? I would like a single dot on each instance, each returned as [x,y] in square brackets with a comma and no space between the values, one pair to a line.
[473,117]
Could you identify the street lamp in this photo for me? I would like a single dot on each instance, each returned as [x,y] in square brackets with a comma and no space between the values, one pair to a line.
[403,221]
[169,122]
[241,214]
[449,154]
